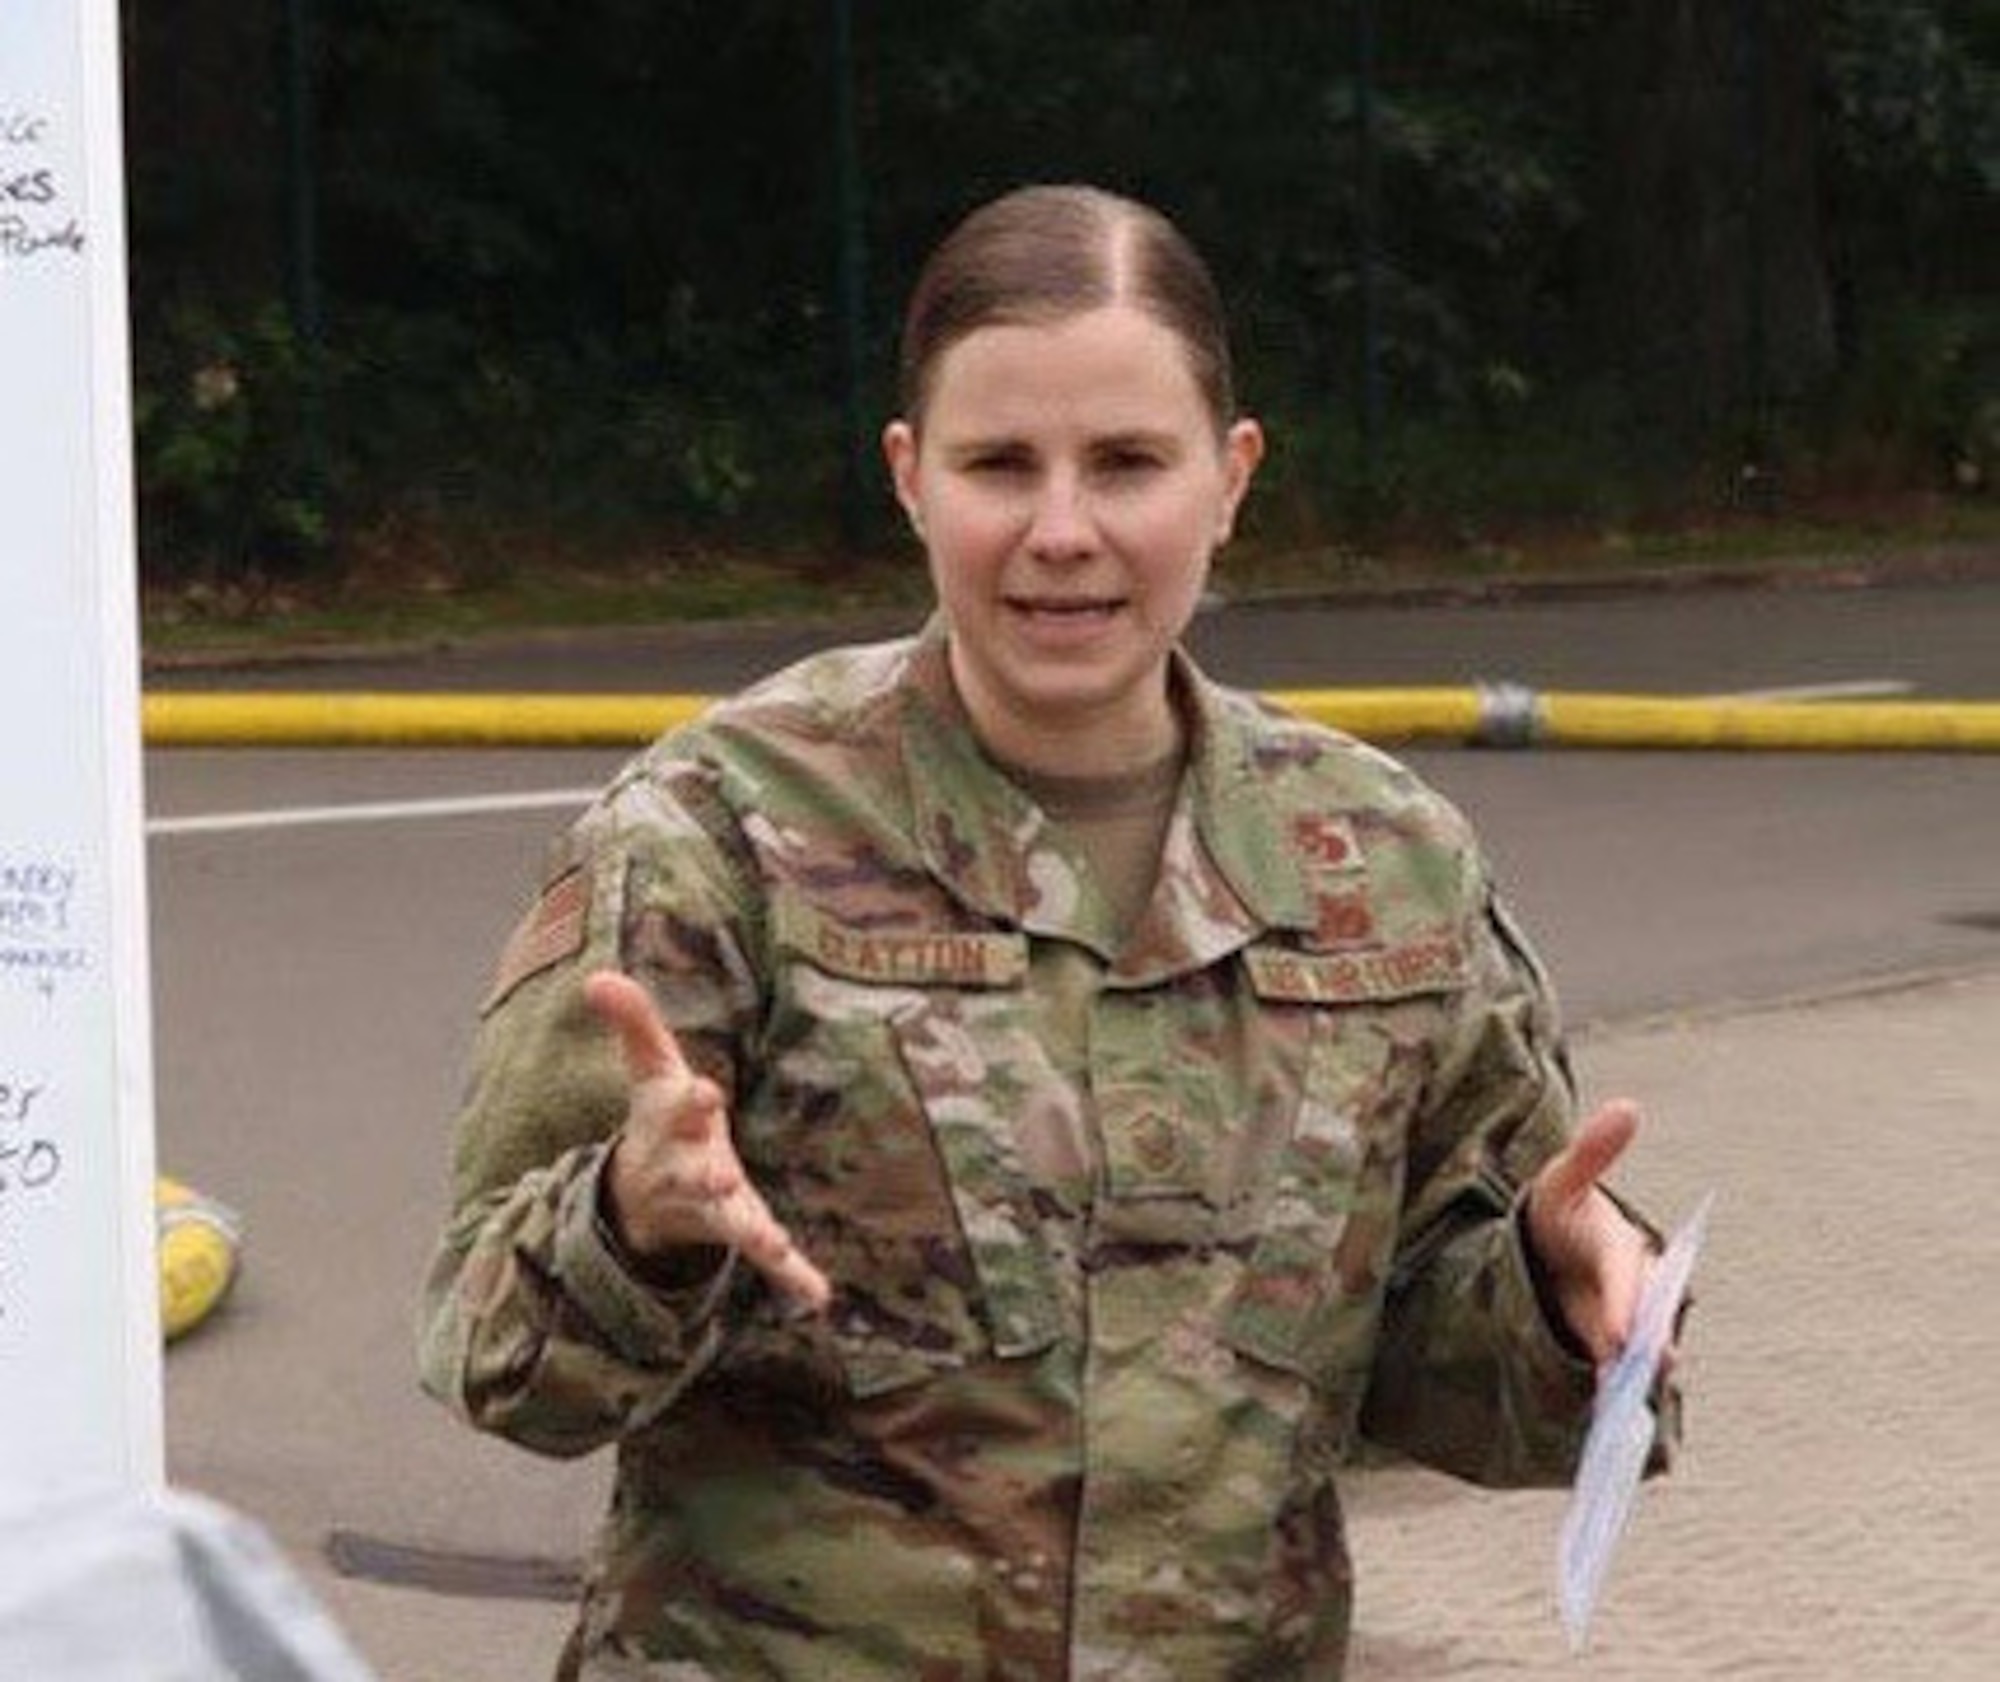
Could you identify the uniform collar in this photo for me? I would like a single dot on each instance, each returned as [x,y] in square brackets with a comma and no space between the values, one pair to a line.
[973,827]
[1241,826]
[1232,871]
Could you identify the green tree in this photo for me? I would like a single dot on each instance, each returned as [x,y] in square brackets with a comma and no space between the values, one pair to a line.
[581,261]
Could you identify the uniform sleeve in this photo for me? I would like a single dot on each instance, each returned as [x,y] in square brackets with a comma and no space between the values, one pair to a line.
[1472,1375]
[535,1325]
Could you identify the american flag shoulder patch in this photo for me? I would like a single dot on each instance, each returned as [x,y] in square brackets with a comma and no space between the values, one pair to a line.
[554,928]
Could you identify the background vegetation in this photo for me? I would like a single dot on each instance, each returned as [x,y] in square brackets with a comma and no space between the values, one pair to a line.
[444,290]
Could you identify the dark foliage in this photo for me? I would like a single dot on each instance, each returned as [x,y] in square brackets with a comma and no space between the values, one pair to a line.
[576,268]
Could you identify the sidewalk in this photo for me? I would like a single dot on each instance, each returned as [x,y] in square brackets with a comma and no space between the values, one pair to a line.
[1836,1513]
[1837,1509]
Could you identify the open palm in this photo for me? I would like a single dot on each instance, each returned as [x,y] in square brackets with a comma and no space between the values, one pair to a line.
[674,1178]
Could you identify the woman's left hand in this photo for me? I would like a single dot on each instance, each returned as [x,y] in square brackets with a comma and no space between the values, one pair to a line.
[1596,1260]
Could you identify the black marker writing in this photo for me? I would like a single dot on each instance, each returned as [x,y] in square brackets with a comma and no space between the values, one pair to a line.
[27,1162]
[36,187]
[33,219]
[18,239]
[28,1166]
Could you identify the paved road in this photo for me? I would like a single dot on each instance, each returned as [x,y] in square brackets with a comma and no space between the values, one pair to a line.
[313,984]
[1936,637]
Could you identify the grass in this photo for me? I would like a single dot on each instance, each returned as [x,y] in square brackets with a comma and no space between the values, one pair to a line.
[414,593]
[429,607]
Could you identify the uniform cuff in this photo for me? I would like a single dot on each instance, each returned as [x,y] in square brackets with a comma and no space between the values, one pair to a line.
[1558,1366]
[1544,1286]
[648,1324]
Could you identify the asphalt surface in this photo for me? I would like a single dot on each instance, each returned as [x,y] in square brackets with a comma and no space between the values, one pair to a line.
[1708,917]
[1819,630]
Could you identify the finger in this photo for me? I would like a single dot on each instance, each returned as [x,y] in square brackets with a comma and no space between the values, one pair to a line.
[677,1133]
[747,1223]
[785,1265]
[651,1052]
[695,1118]
[802,1282]
[1625,1265]
[1600,1141]
[700,1185]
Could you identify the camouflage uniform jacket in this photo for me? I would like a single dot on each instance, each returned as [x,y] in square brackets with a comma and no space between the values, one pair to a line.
[1048,1429]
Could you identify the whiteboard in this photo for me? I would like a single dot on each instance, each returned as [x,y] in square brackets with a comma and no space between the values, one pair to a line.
[79,1302]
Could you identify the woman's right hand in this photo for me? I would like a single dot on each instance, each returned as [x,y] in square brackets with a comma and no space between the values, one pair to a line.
[674,1177]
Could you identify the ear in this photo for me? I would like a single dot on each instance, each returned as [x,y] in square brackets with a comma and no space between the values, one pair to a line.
[1242,450]
[899,450]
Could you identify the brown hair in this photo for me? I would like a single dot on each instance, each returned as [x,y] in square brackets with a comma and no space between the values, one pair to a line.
[1042,254]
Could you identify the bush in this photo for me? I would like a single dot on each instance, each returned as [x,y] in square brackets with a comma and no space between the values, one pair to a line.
[222,446]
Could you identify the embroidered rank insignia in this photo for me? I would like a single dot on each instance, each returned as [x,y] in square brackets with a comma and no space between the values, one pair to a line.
[553,929]
[1326,843]
[1342,920]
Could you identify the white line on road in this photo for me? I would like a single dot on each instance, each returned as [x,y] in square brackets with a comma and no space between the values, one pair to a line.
[1857,689]
[382,811]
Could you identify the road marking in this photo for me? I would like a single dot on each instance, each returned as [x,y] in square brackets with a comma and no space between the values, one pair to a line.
[1858,689]
[379,811]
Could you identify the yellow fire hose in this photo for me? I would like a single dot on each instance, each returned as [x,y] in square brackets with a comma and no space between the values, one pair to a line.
[200,1249]
[1490,715]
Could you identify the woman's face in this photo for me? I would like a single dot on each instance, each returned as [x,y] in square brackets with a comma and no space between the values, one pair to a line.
[1070,486]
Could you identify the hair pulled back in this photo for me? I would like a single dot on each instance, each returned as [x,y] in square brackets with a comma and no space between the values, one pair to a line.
[1044,253]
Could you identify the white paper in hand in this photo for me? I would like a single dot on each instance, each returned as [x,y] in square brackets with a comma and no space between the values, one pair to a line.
[1621,1434]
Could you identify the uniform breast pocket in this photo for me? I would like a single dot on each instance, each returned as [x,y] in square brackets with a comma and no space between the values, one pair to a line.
[884,1139]
[1309,1301]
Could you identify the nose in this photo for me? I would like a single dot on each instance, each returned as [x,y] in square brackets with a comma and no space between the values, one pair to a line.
[1060,526]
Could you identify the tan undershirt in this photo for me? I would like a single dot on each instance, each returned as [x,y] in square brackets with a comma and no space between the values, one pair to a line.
[1119,825]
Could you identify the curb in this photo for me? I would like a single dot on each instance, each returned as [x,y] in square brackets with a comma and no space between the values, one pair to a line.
[1928,978]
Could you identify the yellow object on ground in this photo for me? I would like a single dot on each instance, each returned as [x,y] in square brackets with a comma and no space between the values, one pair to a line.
[200,1243]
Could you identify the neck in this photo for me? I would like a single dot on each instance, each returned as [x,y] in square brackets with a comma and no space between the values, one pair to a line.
[1084,752]
[1083,745]
[1103,742]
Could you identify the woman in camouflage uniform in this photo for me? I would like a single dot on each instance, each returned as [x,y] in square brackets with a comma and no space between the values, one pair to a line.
[985,1123]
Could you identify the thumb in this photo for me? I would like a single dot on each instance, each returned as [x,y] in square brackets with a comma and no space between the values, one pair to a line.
[651,1052]
[1600,1141]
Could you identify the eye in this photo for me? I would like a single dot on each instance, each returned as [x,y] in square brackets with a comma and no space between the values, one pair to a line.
[1002,461]
[1129,460]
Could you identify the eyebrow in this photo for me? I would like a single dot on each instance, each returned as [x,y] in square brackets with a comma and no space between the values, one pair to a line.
[1132,437]
[984,444]
[1137,437]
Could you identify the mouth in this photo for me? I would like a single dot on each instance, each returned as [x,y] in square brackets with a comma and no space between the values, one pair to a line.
[1062,610]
